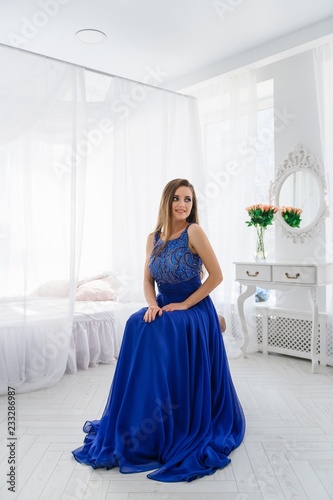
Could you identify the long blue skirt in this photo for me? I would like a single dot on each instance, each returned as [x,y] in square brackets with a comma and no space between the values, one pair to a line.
[172,407]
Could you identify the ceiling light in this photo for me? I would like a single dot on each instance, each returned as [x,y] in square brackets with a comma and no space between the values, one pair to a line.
[91,36]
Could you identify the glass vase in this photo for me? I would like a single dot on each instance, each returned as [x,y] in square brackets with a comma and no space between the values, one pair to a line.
[259,254]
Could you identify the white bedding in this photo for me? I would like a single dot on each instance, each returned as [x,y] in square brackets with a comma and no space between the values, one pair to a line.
[39,342]
[97,332]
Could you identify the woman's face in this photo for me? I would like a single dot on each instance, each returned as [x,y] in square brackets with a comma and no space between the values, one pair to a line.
[182,203]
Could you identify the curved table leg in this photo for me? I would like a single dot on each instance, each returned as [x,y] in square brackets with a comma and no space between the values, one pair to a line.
[314,334]
[250,290]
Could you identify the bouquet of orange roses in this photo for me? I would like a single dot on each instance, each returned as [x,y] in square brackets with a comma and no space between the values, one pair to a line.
[291,215]
[261,215]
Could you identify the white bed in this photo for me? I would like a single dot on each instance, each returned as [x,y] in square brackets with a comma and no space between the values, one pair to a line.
[97,332]
[39,342]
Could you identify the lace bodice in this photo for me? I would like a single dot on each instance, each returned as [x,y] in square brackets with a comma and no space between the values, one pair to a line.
[175,263]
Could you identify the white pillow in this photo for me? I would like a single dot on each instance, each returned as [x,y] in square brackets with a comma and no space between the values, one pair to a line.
[53,288]
[113,281]
[95,290]
[92,278]
[110,277]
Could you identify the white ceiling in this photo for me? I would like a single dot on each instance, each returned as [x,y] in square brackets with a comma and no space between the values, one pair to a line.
[161,40]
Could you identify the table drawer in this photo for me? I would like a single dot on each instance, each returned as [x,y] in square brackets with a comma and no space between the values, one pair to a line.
[294,275]
[253,272]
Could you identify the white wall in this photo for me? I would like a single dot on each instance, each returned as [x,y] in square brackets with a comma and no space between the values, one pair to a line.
[297,122]
[275,50]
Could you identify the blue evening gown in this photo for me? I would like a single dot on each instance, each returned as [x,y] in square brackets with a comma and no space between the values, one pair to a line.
[172,407]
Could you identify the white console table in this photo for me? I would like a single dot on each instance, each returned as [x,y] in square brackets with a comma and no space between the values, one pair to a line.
[283,276]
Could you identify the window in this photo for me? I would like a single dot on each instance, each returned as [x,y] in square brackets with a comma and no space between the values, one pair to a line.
[245,142]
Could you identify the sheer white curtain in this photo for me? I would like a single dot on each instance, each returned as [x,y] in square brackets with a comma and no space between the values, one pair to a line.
[158,143]
[323,62]
[42,117]
[228,114]
[146,136]
[84,159]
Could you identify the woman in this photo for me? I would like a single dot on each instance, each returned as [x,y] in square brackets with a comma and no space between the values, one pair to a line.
[172,405]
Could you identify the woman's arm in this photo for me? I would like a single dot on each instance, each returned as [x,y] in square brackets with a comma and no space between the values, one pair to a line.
[149,285]
[199,243]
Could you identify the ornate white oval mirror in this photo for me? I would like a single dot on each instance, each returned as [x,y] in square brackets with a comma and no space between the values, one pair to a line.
[300,183]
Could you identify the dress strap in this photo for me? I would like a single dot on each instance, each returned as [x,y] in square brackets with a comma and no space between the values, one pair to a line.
[158,234]
[190,224]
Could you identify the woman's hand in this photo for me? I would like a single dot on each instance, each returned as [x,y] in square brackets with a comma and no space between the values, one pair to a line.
[151,313]
[175,306]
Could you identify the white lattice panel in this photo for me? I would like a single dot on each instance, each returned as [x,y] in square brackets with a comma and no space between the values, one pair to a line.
[290,334]
[236,327]
[259,325]
[329,341]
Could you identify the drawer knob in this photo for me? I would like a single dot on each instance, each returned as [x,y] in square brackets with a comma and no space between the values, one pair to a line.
[252,275]
[297,275]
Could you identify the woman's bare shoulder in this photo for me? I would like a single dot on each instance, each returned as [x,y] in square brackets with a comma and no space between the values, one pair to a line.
[151,236]
[195,229]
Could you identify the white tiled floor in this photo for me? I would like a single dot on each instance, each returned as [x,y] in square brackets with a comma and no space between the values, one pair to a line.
[287,452]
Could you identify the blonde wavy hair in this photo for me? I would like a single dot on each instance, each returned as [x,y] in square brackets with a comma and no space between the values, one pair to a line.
[164,218]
